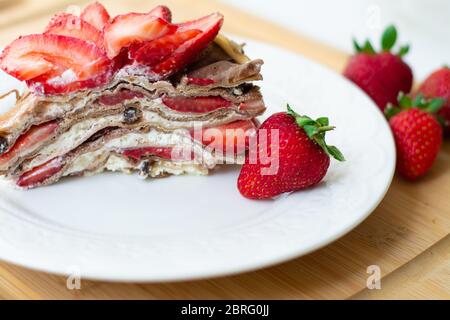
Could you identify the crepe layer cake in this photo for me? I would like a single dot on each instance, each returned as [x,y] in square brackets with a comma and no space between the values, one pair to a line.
[133,93]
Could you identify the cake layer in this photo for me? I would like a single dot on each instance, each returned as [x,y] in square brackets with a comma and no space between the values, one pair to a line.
[58,137]
[33,110]
[148,150]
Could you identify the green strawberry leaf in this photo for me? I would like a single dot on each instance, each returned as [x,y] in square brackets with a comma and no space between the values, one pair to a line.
[405,102]
[404,50]
[388,41]
[315,130]
[311,130]
[441,120]
[391,111]
[368,48]
[335,153]
[323,121]
[418,101]
[291,112]
[389,38]
[356,45]
[435,105]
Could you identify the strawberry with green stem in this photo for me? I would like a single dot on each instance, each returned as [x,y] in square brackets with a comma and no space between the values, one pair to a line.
[300,149]
[417,134]
[382,75]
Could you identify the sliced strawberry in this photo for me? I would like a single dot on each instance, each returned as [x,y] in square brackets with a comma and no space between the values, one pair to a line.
[40,174]
[153,52]
[96,15]
[127,29]
[253,106]
[69,25]
[139,153]
[162,12]
[120,97]
[196,104]
[121,60]
[232,136]
[200,81]
[55,63]
[166,153]
[186,53]
[58,84]
[27,66]
[28,140]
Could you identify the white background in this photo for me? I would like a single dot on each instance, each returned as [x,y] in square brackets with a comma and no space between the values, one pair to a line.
[424,24]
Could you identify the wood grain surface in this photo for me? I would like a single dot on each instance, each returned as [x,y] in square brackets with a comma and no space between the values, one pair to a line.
[407,236]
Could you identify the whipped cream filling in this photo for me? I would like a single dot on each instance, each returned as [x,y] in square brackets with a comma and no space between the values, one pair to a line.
[83,130]
[157,169]
[85,164]
[65,78]
[203,160]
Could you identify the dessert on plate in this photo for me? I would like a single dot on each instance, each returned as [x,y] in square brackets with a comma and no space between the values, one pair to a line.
[133,93]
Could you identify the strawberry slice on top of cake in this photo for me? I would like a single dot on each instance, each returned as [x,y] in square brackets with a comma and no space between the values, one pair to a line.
[131,93]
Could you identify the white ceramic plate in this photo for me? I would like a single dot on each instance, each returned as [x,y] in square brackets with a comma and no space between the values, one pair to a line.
[119,228]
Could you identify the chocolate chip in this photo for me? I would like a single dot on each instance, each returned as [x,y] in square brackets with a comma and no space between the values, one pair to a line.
[144,168]
[131,115]
[246,87]
[3,145]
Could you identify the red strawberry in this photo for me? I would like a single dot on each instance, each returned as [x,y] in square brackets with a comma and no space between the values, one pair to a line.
[120,97]
[153,52]
[130,28]
[162,12]
[234,136]
[96,15]
[297,144]
[137,154]
[417,134]
[69,25]
[189,50]
[29,139]
[200,81]
[381,75]
[196,104]
[40,174]
[166,153]
[437,85]
[56,64]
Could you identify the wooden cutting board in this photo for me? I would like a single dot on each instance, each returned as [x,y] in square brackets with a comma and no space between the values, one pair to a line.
[407,235]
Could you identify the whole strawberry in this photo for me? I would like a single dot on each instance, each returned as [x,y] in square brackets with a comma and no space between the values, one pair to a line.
[299,156]
[437,85]
[417,134]
[382,75]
